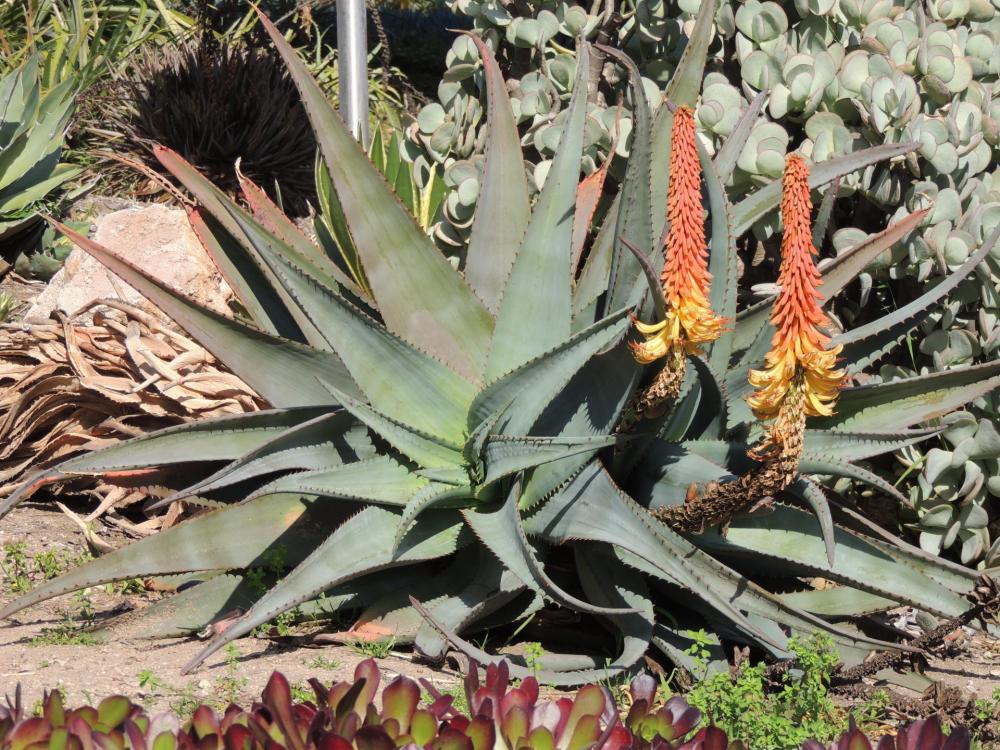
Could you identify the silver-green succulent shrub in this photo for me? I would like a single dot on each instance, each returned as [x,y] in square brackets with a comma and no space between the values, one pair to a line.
[441,455]
[835,76]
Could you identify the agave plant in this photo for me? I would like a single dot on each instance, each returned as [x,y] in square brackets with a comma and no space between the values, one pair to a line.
[459,448]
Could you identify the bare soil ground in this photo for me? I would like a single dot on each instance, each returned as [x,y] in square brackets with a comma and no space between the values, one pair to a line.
[30,655]
[35,654]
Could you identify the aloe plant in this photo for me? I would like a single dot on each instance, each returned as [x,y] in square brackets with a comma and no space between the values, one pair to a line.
[32,129]
[441,452]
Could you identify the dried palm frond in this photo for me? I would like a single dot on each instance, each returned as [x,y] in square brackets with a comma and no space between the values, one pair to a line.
[112,372]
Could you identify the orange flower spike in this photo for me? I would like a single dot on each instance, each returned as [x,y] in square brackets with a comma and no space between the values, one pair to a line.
[689,318]
[800,359]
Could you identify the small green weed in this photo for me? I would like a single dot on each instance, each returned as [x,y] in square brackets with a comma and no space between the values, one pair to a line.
[533,654]
[302,693]
[374,649]
[7,306]
[15,566]
[322,662]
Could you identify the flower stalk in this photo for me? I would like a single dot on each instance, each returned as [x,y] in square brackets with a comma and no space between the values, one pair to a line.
[799,378]
[689,321]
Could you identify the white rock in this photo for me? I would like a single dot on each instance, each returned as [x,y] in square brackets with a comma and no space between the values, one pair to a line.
[157,239]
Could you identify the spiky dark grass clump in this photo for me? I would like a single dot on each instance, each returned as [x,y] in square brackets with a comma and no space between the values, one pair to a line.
[216,102]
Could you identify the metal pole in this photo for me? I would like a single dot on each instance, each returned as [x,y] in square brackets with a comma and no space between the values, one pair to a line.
[352,50]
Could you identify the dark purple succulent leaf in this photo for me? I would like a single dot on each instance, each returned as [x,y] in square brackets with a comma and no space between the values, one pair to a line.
[636,711]
[238,737]
[277,696]
[136,735]
[854,739]
[959,739]
[886,742]
[373,738]
[707,738]
[332,741]
[643,688]
[619,738]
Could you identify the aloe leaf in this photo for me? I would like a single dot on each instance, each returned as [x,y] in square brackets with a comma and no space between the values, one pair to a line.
[526,391]
[572,514]
[957,577]
[535,312]
[825,211]
[788,535]
[846,266]
[856,446]
[431,397]
[490,590]
[360,545]
[508,454]
[818,445]
[380,480]
[390,615]
[326,440]
[503,208]
[868,343]
[234,220]
[275,221]
[729,152]
[652,277]
[636,220]
[722,264]
[592,507]
[283,372]
[248,282]
[607,582]
[290,520]
[593,281]
[841,601]
[501,530]
[421,297]
[685,84]
[810,464]
[899,404]
[813,495]
[213,439]
[182,614]
[432,495]
[761,202]
[426,449]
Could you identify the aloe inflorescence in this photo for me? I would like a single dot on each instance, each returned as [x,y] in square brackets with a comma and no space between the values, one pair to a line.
[444,452]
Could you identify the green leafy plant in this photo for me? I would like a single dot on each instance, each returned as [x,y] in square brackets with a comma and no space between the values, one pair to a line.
[32,129]
[442,454]
[802,709]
